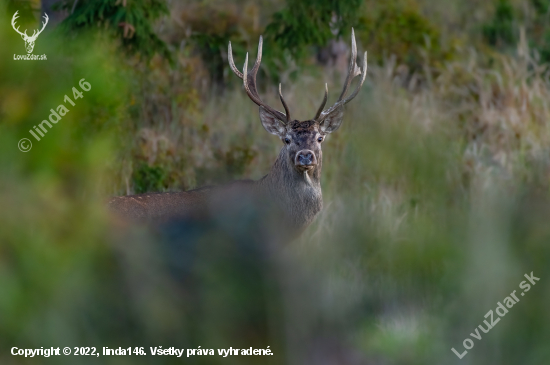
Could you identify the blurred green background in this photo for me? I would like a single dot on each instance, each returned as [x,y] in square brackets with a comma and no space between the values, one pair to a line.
[436,187]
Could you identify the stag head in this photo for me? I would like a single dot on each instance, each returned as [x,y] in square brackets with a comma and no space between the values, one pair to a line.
[29,40]
[302,139]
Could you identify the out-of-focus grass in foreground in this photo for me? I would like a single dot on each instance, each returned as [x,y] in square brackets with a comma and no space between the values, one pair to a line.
[436,204]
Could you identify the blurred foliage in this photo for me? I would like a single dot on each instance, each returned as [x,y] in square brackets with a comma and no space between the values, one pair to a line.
[500,31]
[25,9]
[211,28]
[436,187]
[398,28]
[503,30]
[304,23]
[148,178]
[130,22]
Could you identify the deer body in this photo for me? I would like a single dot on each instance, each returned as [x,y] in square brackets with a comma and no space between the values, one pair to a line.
[296,196]
[289,196]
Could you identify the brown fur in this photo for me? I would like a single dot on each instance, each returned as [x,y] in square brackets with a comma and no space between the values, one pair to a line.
[290,194]
[285,189]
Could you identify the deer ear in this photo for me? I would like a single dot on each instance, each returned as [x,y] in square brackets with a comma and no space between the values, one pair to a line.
[333,121]
[271,123]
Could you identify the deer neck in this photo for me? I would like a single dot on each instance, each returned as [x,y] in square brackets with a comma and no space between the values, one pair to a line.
[298,194]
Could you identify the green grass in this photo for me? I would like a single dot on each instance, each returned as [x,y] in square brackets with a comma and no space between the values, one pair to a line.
[436,204]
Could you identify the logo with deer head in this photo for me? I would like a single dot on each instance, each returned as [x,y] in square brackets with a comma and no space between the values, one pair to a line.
[29,40]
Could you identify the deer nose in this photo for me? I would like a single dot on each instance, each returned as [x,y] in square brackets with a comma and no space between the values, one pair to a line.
[305,158]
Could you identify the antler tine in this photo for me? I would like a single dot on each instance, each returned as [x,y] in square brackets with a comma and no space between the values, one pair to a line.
[43,23]
[320,110]
[256,66]
[353,69]
[15,16]
[249,81]
[284,105]
[251,95]
[232,63]
[363,77]
[341,102]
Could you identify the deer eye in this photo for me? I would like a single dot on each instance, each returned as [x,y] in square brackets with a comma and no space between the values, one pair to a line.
[320,139]
[287,140]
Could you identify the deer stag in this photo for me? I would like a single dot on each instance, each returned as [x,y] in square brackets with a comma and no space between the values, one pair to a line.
[29,41]
[293,184]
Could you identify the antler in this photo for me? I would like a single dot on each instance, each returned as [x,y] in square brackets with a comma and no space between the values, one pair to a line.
[34,34]
[43,26]
[352,72]
[15,16]
[249,81]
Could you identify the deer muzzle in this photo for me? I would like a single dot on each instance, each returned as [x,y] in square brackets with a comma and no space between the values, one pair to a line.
[305,159]
[29,46]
